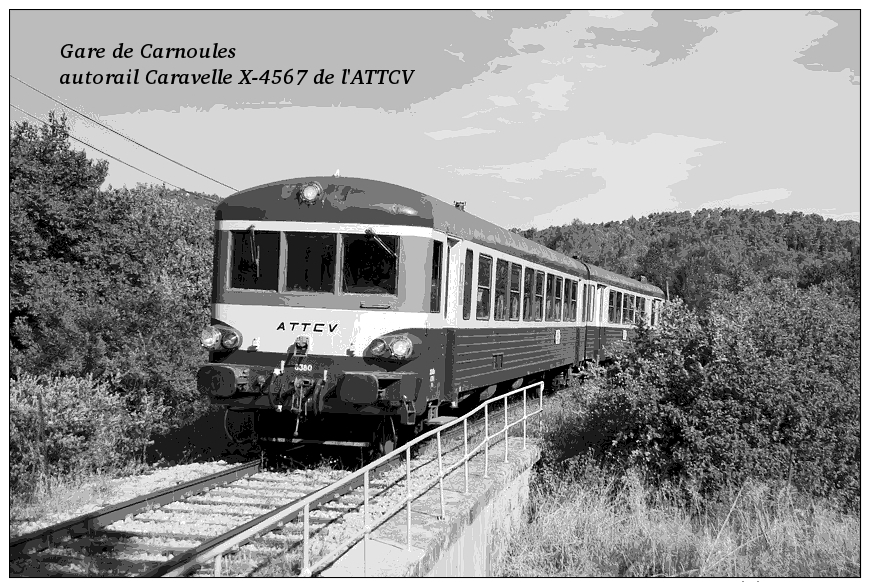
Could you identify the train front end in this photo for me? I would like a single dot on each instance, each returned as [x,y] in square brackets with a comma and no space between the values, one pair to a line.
[320,326]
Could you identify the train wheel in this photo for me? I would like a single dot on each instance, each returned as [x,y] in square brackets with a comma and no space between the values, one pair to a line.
[239,426]
[385,439]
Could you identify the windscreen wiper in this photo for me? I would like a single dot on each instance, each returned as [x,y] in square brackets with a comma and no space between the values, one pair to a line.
[255,254]
[380,241]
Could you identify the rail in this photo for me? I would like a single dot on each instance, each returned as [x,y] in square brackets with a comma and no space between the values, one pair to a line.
[303,506]
[94,521]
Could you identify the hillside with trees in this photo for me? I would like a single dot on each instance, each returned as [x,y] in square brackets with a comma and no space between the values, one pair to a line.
[694,255]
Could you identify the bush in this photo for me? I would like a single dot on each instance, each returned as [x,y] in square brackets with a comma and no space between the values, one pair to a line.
[765,385]
[89,428]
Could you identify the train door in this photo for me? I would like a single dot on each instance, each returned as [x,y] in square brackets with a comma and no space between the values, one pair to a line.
[601,318]
[455,281]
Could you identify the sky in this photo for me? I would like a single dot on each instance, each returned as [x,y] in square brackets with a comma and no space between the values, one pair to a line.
[533,118]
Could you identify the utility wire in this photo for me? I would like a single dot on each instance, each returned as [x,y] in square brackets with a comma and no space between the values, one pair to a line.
[71,136]
[122,135]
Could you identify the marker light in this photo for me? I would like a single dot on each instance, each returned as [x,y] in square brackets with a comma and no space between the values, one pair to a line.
[230,340]
[310,193]
[379,347]
[210,337]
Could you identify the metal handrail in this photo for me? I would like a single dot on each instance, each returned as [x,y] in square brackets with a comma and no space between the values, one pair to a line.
[306,503]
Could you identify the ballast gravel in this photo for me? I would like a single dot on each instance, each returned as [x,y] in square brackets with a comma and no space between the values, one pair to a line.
[93,498]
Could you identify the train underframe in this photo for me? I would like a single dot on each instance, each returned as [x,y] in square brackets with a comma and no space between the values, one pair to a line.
[374,429]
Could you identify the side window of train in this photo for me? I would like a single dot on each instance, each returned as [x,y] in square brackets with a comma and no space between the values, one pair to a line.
[641,310]
[557,300]
[583,305]
[654,316]
[254,260]
[611,308]
[539,295]
[618,301]
[528,294]
[484,286]
[466,292]
[590,311]
[435,291]
[627,308]
[549,299]
[566,306]
[514,308]
[574,300]
[501,290]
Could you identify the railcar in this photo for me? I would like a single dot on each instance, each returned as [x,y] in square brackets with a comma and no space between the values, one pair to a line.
[351,311]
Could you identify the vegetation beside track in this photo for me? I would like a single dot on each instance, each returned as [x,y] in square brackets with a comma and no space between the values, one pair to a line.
[726,443]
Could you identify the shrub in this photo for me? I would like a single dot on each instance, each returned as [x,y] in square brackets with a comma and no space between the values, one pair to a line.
[764,385]
[89,428]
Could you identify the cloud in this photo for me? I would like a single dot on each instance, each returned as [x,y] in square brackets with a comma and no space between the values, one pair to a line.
[839,48]
[460,56]
[450,133]
[759,198]
[502,101]
[551,94]
[631,178]
[674,34]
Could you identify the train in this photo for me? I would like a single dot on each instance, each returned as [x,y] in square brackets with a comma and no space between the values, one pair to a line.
[355,312]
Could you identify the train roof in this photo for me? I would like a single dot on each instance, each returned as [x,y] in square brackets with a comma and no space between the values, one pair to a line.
[374,202]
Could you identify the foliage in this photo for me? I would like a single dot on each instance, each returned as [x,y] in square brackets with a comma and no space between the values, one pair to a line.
[764,385]
[696,255]
[88,428]
[110,283]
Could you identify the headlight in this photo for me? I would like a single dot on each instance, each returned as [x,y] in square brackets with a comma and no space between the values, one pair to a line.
[401,347]
[231,340]
[378,348]
[210,337]
[310,193]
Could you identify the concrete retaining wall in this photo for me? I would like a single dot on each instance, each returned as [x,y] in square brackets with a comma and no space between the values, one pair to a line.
[471,541]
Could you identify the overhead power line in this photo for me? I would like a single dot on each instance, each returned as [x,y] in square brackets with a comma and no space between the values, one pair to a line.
[71,136]
[103,125]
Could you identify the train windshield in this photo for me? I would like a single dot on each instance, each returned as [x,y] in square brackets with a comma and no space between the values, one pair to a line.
[370,263]
[254,260]
[310,262]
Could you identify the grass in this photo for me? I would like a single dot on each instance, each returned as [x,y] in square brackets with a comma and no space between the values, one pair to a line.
[586,520]
[66,495]
[588,525]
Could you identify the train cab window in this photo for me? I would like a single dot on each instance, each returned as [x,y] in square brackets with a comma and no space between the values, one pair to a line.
[501,290]
[528,294]
[484,286]
[557,300]
[254,260]
[310,262]
[370,263]
[539,295]
[514,313]
[435,290]
[466,292]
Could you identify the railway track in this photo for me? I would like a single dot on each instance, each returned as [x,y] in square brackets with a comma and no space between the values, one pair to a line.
[241,512]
